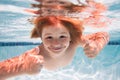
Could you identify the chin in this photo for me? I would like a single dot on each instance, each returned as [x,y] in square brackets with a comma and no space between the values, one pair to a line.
[57,54]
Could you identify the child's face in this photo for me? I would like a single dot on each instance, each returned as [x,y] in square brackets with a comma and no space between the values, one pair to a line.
[56,39]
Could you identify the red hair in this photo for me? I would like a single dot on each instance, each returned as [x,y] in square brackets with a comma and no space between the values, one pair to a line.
[74,26]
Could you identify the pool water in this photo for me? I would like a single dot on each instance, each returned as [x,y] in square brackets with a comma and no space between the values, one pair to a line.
[15,40]
[104,66]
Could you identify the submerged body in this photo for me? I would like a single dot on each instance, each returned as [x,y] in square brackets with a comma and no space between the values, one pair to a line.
[60,37]
[55,51]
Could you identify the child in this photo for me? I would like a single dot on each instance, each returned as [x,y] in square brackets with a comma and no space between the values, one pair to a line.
[60,37]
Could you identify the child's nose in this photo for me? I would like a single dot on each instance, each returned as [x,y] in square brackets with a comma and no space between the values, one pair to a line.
[56,42]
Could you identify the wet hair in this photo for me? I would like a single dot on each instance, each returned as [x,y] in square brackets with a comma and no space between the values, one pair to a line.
[74,27]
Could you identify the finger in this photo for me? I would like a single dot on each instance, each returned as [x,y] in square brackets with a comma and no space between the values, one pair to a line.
[40,61]
[89,48]
[39,58]
[91,53]
[86,44]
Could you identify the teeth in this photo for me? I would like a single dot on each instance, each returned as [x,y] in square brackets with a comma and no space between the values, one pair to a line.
[56,48]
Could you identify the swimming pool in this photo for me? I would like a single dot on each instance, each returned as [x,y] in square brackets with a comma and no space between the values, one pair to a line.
[14,40]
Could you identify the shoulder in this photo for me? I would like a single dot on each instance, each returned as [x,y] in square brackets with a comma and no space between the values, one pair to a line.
[33,51]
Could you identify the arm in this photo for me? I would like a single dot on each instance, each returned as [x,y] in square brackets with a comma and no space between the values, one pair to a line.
[93,43]
[11,67]
[27,63]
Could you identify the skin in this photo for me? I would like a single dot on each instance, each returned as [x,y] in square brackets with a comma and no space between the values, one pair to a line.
[56,46]
[55,51]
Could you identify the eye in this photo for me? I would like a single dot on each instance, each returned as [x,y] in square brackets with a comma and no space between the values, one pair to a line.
[62,36]
[49,37]
[61,2]
[49,1]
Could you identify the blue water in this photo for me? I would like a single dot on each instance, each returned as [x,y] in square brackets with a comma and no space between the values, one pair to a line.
[15,40]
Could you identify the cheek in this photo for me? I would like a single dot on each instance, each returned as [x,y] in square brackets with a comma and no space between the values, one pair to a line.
[45,42]
[66,41]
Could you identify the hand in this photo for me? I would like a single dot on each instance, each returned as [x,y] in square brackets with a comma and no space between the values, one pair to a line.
[91,49]
[33,63]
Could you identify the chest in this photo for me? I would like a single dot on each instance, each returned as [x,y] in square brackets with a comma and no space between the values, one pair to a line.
[64,60]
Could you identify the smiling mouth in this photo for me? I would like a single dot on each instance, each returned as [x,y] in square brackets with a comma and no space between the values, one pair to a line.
[56,49]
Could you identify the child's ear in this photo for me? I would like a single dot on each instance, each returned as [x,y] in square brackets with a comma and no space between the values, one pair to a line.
[34,33]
